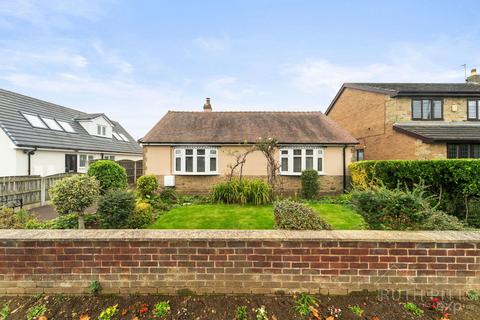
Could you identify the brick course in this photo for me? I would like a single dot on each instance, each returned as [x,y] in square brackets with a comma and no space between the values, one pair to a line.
[141,261]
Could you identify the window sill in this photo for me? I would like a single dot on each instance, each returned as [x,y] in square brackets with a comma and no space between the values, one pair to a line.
[196,174]
[298,174]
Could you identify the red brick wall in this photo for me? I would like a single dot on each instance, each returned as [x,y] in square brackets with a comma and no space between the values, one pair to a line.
[237,261]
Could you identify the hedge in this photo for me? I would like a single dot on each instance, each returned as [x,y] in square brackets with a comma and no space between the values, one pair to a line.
[455,181]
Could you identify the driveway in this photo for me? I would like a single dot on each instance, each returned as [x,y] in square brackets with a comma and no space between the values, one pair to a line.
[48,212]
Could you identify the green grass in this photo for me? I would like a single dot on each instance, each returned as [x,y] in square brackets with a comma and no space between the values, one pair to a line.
[229,216]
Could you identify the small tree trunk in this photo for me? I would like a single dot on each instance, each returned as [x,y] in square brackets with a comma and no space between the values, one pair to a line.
[466,209]
[81,222]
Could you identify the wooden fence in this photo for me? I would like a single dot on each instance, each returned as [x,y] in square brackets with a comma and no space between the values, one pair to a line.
[134,169]
[31,189]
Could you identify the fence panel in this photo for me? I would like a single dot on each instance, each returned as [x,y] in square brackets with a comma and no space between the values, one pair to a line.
[27,188]
[134,169]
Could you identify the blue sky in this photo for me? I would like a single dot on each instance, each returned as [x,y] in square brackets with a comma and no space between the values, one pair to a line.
[134,60]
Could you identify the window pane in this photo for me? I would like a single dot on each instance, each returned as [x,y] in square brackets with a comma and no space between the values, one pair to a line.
[52,124]
[35,121]
[297,152]
[104,131]
[178,164]
[416,109]
[284,151]
[475,151]
[124,137]
[463,151]
[99,129]
[437,109]
[66,126]
[426,109]
[297,164]
[452,151]
[189,164]
[213,151]
[213,164]
[201,152]
[360,154]
[320,164]
[83,160]
[201,163]
[284,164]
[178,151]
[472,110]
[309,163]
[189,152]
[309,152]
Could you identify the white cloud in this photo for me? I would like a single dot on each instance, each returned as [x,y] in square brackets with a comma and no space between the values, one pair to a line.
[228,88]
[212,44]
[426,62]
[53,12]
[113,59]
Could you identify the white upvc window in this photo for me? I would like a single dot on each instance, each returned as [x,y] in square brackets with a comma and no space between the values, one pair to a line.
[85,160]
[195,160]
[294,160]
[101,130]
[109,157]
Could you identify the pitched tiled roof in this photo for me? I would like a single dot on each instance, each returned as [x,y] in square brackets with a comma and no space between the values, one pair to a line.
[441,131]
[237,127]
[413,90]
[22,134]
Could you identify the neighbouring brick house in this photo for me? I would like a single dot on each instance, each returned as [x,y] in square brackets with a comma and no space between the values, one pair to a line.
[411,120]
[193,150]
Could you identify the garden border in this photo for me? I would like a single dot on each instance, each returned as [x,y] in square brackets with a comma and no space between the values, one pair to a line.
[238,261]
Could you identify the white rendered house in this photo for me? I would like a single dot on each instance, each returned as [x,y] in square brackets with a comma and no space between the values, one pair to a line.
[41,138]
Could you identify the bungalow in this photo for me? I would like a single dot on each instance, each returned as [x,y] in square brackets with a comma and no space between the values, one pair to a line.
[194,150]
[42,138]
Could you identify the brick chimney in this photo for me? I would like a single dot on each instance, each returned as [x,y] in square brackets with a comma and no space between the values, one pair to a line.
[207,107]
[474,77]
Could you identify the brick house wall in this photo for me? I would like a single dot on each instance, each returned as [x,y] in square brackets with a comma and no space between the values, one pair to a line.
[369,117]
[267,262]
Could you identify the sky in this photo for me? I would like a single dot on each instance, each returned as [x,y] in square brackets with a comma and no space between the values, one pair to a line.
[136,59]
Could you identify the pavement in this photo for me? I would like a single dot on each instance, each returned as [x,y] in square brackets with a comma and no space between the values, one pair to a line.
[47,212]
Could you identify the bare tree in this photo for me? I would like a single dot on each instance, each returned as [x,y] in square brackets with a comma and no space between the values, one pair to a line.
[240,159]
[269,147]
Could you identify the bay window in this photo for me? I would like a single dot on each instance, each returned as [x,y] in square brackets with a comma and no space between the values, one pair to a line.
[195,160]
[297,159]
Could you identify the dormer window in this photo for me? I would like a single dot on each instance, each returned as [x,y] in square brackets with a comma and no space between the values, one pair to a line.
[101,130]
[427,109]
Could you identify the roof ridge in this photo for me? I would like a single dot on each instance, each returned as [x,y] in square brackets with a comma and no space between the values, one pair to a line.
[246,111]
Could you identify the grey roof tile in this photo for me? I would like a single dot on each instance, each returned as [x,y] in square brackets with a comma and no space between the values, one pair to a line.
[23,134]
[441,132]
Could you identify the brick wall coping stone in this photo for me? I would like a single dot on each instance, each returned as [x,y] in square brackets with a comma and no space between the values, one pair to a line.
[345,235]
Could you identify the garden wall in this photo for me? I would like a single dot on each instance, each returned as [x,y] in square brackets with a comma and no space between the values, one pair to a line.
[155,261]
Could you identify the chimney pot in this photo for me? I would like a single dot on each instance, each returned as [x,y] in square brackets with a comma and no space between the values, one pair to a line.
[207,107]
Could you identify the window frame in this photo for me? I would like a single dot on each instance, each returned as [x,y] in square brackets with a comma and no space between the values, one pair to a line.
[210,152]
[431,100]
[457,150]
[102,129]
[477,103]
[41,123]
[109,157]
[287,152]
[67,127]
[357,152]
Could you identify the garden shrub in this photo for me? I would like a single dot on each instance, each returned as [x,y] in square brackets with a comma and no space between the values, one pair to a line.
[110,175]
[310,184]
[399,209]
[168,195]
[14,220]
[439,220]
[74,195]
[70,221]
[291,215]
[141,216]
[115,208]
[147,186]
[243,191]
[454,181]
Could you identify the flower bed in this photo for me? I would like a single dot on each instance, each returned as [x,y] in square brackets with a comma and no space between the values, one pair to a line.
[281,307]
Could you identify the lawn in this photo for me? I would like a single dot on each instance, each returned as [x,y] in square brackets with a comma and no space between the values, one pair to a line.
[223,216]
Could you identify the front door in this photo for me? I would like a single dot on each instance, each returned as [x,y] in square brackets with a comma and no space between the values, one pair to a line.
[70,163]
